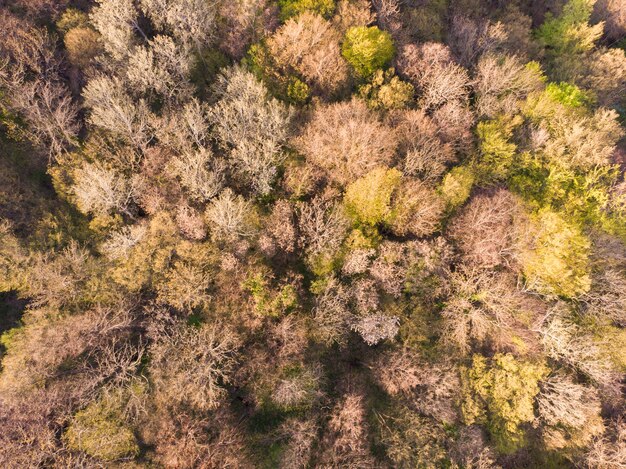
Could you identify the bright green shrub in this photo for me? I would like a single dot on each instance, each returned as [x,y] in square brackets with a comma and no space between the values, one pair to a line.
[268,302]
[368,199]
[387,91]
[99,431]
[289,8]
[499,393]
[557,263]
[298,92]
[567,94]
[367,49]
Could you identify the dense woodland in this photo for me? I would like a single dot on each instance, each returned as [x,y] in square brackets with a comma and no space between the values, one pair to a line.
[341,234]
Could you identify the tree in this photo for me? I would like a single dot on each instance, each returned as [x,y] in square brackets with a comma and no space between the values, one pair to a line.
[190,365]
[502,83]
[117,21]
[323,226]
[112,109]
[437,78]
[200,172]
[192,22]
[160,67]
[571,412]
[101,191]
[387,91]
[417,209]
[487,230]
[291,8]
[500,393]
[345,443]
[471,38]
[250,125]
[568,343]
[557,262]
[367,49]
[32,87]
[346,140]
[99,431]
[230,216]
[308,46]
[425,155]
[368,199]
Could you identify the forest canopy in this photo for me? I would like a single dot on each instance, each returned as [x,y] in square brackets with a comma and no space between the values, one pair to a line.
[313,234]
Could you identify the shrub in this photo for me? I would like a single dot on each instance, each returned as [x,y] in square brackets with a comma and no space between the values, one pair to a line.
[367,49]
[99,431]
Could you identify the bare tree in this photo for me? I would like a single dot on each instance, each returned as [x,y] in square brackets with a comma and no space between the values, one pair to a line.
[200,173]
[566,342]
[425,155]
[251,125]
[487,231]
[323,226]
[102,191]
[502,82]
[229,216]
[32,87]
[117,21]
[309,45]
[114,110]
[160,67]
[347,140]
[191,364]
[437,78]
[346,443]
[331,313]
[192,22]
[609,451]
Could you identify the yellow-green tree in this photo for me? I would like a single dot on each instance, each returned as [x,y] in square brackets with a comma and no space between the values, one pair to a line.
[500,393]
[557,261]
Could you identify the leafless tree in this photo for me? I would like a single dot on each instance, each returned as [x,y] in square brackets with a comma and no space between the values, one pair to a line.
[229,216]
[33,88]
[117,21]
[161,67]
[426,155]
[251,125]
[190,365]
[311,46]
[192,22]
[487,231]
[102,191]
[323,226]
[566,342]
[112,109]
[437,78]
[501,83]
[347,140]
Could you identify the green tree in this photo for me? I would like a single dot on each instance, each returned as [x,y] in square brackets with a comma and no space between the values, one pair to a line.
[500,393]
[367,49]
[290,8]
[570,32]
[368,199]
[557,262]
